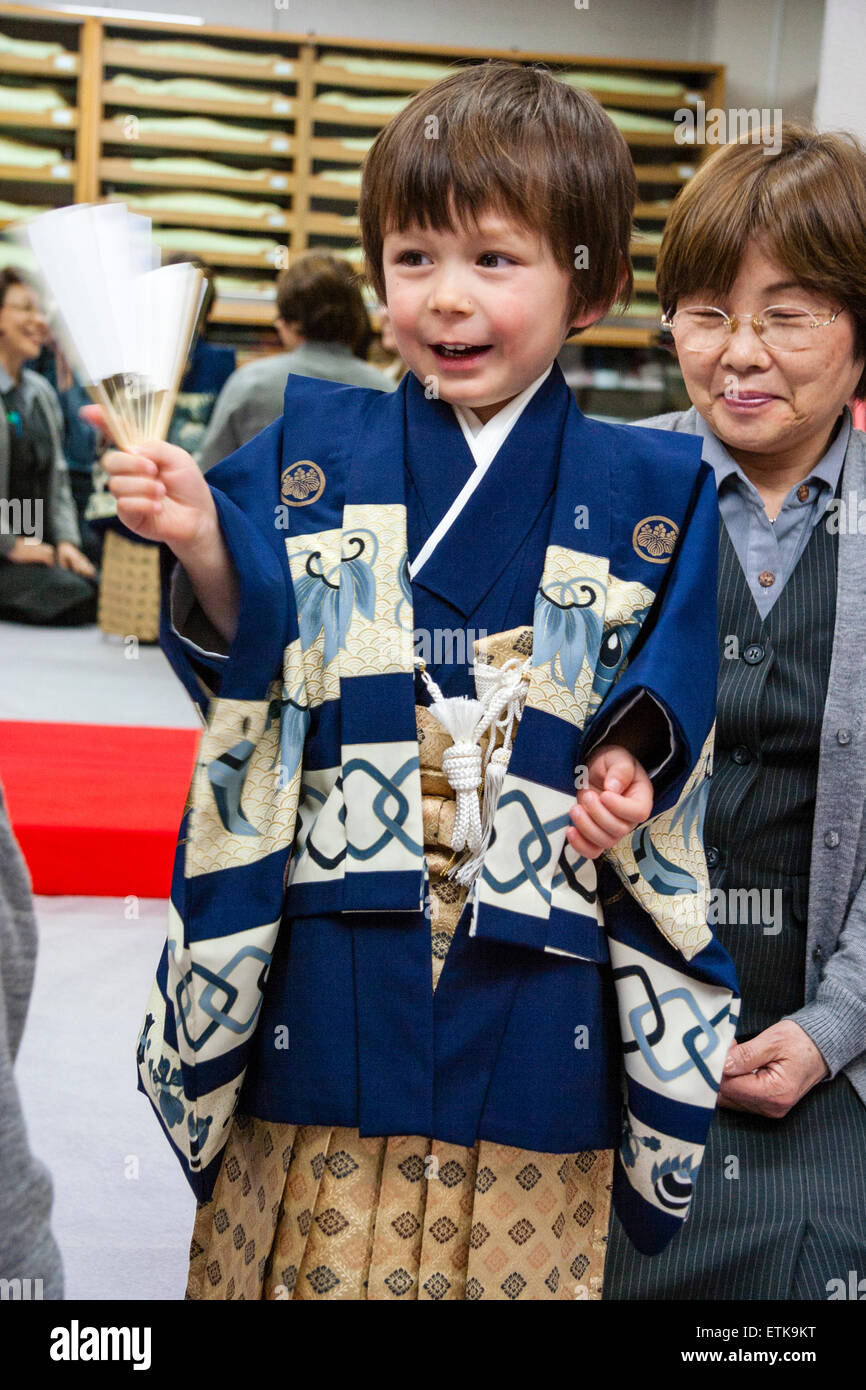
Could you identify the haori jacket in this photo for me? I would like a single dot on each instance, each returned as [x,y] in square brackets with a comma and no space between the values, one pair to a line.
[582,1004]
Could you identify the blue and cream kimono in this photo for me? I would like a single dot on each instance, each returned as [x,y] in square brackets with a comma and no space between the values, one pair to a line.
[581,1005]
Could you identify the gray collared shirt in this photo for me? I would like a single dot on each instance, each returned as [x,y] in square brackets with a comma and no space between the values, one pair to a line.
[764,547]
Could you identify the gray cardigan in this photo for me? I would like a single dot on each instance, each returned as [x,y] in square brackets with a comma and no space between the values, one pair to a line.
[253,395]
[27,1247]
[834,1014]
[61,504]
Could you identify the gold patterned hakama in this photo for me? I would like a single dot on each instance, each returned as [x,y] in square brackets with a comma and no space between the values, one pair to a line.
[313,1212]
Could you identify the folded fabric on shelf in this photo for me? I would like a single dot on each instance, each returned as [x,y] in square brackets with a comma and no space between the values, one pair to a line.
[203,240]
[234,287]
[594,81]
[29,48]
[32,99]
[202,87]
[204,126]
[632,121]
[376,105]
[34,156]
[192,164]
[385,67]
[203,52]
[350,177]
[205,202]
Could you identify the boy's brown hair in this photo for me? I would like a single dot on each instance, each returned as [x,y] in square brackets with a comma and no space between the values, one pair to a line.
[517,141]
[320,293]
[807,203]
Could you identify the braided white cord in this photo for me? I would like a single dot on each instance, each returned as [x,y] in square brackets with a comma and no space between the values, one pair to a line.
[461,764]
[501,691]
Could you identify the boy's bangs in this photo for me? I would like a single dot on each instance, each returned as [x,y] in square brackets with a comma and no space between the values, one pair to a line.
[438,190]
[511,141]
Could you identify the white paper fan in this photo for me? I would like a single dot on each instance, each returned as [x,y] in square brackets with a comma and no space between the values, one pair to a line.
[125,322]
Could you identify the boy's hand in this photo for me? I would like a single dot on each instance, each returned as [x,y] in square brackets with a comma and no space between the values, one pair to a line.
[161,492]
[618,799]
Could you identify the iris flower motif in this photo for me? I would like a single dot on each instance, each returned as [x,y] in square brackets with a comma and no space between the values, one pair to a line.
[565,626]
[327,599]
[659,872]
[405,599]
[294,717]
[692,809]
[613,653]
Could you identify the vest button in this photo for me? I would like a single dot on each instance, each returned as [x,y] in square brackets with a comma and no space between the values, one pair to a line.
[741,755]
[712,856]
[831,839]
[818,953]
[753,653]
[766,578]
[843,736]
[803,492]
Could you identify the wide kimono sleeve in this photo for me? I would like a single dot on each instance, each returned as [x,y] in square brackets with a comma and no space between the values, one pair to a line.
[237,829]
[673,662]
[676,988]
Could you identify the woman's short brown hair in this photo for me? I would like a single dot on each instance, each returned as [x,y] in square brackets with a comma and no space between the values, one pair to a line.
[9,277]
[512,139]
[320,293]
[808,203]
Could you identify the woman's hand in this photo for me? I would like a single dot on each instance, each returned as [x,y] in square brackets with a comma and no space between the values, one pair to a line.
[27,553]
[618,799]
[771,1072]
[160,489]
[69,557]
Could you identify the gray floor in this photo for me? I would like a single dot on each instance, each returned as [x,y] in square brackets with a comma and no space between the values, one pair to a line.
[81,676]
[123,1212]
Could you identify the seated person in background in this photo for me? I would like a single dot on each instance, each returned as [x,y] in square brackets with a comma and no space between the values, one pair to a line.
[44,575]
[322,324]
[81,442]
[208,368]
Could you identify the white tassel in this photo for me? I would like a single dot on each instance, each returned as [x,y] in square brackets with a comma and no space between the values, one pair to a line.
[461,763]
[502,691]
[494,778]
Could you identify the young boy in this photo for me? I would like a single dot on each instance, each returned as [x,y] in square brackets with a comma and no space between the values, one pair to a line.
[445,1127]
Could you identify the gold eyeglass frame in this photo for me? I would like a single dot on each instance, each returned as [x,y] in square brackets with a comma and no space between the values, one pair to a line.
[733,321]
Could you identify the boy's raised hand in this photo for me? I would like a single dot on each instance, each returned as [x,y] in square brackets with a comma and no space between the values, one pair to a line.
[618,799]
[160,489]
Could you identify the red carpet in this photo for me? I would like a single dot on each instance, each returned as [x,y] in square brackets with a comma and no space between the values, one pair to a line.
[96,808]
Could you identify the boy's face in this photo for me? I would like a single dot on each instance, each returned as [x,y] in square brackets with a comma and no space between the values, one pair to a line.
[495,290]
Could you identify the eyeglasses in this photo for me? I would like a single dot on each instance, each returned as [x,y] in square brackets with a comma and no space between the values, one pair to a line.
[29,308]
[780,326]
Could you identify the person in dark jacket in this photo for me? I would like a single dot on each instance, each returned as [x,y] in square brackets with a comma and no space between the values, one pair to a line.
[45,577]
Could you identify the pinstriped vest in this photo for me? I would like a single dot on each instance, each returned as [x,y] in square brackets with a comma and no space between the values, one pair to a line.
[762,794]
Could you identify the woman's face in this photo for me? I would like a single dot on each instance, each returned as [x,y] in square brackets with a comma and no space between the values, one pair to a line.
[22,323]
[759,400]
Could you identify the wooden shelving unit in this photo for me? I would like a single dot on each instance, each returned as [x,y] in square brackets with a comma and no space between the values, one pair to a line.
[262,135]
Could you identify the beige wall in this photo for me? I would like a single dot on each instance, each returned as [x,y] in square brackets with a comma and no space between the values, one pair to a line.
[841,102]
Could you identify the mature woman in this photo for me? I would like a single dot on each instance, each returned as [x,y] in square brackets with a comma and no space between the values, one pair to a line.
[44,575]
[762,277]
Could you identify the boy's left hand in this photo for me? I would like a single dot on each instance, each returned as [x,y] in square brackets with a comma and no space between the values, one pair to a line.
[618,799]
